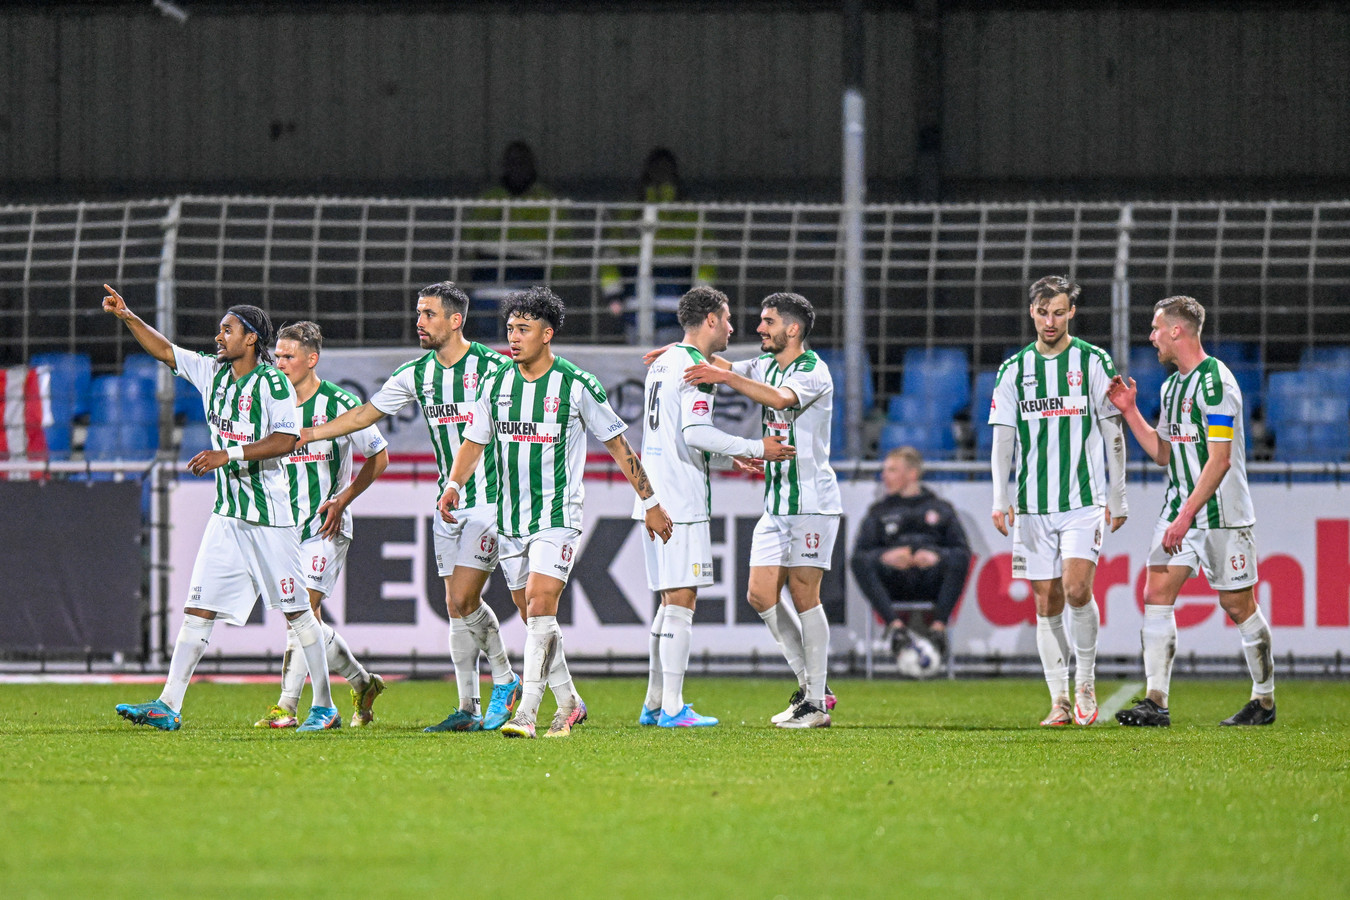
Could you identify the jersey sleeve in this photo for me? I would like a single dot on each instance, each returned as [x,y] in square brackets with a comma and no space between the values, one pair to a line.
[396,393]
[1003,406]
[809,386]
[696,403]
[1100,372]
[368,441]
[750,368]
[1222,405]
[282,414]
[479,428]
[598,416]
[197,369]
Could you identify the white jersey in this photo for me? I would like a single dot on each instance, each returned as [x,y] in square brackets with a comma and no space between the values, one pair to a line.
[322,469]
[678,472]
[447,396]
[1056,403]
[804,485]
[537,442]
[244,411]
[1200,408]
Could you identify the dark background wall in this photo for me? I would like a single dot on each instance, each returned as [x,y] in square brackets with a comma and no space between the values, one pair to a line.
[1001,99]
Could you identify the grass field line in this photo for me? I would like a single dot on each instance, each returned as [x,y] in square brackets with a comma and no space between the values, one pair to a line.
[1116,702]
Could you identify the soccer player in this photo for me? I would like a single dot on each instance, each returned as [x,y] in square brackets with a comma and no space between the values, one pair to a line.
[321,489]
[1207,514]
[794,540]
[446,383]
[1050,401]
[251,546]
[535,413]
[678,442]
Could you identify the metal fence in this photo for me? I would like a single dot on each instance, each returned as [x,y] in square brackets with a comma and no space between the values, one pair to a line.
[1273,274]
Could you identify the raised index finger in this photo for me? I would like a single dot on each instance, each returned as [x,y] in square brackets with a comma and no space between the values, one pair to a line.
[112,292]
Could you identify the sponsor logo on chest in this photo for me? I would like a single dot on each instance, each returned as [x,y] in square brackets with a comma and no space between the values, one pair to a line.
[513,432]
[231,430]
[449,414]
[317,451]
[1181,432]
[1052,407]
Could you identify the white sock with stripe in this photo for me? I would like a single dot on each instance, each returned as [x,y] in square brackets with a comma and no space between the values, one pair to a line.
[559,676]
[1256,644]
[789,638]
[464,656]
[1053,646]
[1159,639]
[342,661]
[816,643]
[193,637]
[307,631]
[538,638]
[655,677]
[487,631]
[1084,623]
[293,672]
[676,635]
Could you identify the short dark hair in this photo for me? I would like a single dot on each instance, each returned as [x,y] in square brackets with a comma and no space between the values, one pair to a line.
[537,302]
[307,334]
[1053,286]
[453,300]
[258,322]
[1183,308]
[793,308]
[698,303]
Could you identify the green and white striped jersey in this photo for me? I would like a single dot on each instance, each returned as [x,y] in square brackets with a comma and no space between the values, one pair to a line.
[1200,408]
[447,396]
[1056,403]
[322,469]
[245,411]
[806,484]
[536,430]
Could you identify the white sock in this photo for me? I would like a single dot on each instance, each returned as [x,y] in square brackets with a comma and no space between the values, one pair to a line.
[193,637]
[293,672]
[341,660]
[307,631]
[789,638]
[1256,646]
[655,679]
[816,643]
[464,655]
[1084,623]
[539,642]
[1053,646]
[677,633]
[1159,640]
[487,631]
[559,676]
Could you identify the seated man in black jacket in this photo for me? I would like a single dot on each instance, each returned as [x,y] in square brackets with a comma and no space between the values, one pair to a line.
[911,548]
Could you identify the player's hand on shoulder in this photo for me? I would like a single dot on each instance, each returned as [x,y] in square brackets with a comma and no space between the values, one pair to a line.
[704,373]
[775,450]
[651,355]
[114,304]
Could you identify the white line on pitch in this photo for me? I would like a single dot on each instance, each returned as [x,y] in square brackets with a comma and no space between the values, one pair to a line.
[1116,702]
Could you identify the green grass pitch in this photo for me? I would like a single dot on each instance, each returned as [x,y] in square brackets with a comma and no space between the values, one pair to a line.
[938,789]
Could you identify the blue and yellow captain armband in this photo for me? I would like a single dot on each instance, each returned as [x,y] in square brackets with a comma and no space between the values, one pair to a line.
[1220,427]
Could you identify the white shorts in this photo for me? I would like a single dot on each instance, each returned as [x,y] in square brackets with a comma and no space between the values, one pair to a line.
[794,541]
[470,542]
[684,561]
[238,561]
[1227,555]
[322,560]
[1041,542]
[550,551]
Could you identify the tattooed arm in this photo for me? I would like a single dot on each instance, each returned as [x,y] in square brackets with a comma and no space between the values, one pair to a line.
[656,519]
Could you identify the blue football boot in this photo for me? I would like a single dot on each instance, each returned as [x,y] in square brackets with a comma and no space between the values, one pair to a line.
[321,718]
[156,714]
[502,705]
[685,718]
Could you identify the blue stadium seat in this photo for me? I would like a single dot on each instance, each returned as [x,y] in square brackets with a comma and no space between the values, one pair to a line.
[101,442]
[141,365]
[196,438]
[933,441]
[942,373]
[1283,391]
[979,413]
[187,401]
[70,375]
[1333,355]
[834,359]
[59,441]
[122,399]
[107,441]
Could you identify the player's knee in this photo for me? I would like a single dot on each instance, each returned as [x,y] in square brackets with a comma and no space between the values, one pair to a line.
[1078,592]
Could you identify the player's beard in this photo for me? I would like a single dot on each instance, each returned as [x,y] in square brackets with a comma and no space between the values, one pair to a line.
[770,344]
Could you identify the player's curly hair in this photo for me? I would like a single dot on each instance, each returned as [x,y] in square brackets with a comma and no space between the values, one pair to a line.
[699,303]
[258,322]
[307,334]
[793,308]
[453,300]
[1184,309]
[1053,286]
[537,302]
